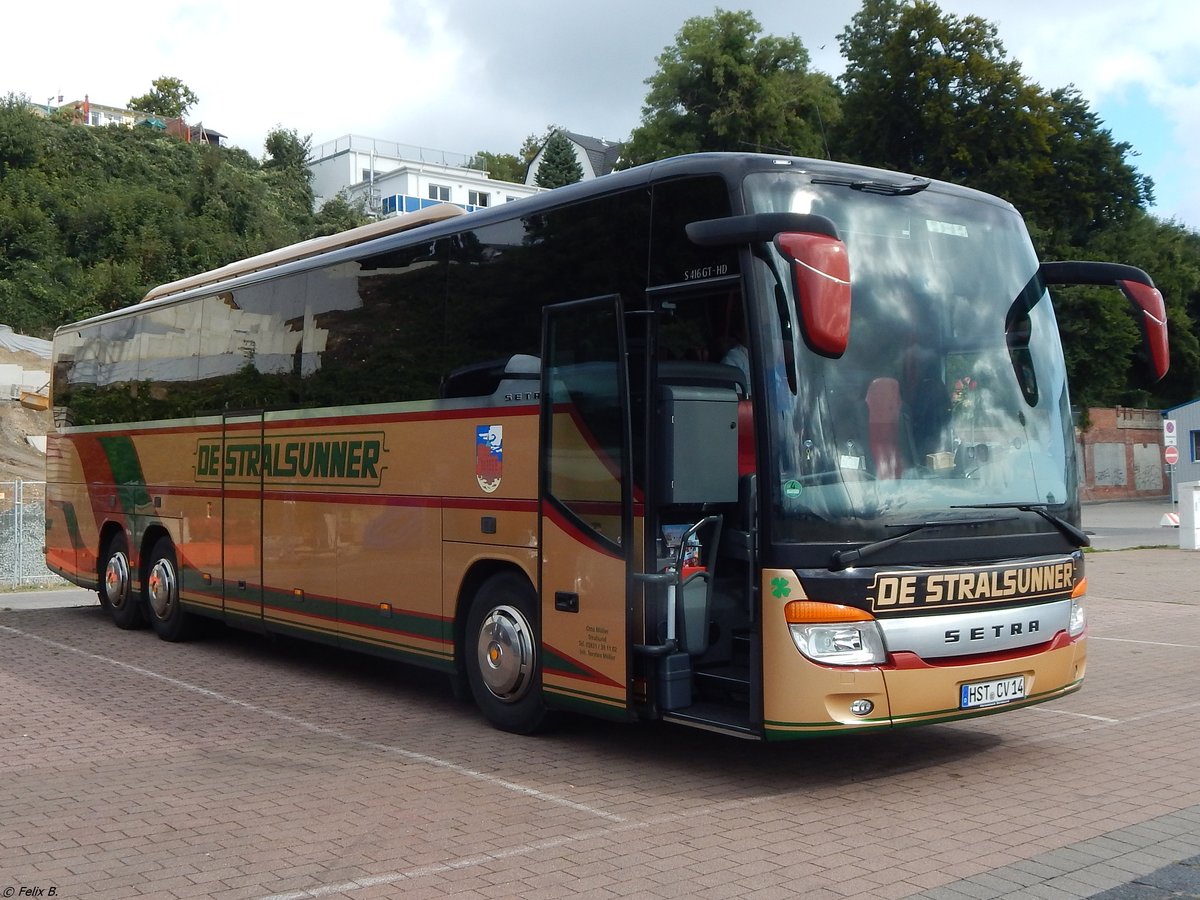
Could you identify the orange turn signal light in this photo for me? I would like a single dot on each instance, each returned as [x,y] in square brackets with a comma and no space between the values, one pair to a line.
[1080,588]
[804,612]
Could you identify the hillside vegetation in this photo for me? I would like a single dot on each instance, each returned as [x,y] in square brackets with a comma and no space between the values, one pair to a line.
[91,218]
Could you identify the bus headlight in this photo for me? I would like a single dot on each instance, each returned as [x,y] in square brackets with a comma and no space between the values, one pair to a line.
[1078,618]
[822,633]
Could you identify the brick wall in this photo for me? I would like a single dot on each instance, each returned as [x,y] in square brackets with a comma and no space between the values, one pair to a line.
[1120,455]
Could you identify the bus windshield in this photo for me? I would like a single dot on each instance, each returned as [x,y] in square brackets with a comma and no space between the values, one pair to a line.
[952,391]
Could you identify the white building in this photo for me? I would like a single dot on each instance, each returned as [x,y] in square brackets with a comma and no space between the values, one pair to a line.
[394,178]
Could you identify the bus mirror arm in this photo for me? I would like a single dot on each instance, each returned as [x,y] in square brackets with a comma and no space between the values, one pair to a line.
[1138,289]
[756,228]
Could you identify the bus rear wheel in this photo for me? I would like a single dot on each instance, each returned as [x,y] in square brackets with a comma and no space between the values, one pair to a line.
[501,654]
[116,585]
[161,590]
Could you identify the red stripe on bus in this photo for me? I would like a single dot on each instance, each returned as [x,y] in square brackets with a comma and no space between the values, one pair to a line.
[573,531]
[589,674]
[476,412]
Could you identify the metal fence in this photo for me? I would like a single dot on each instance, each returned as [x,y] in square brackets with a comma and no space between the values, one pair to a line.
[23,535]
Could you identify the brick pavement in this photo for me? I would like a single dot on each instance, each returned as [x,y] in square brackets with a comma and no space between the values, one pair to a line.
[244,768]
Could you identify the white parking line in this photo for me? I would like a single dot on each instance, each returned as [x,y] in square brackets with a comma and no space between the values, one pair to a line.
[1063,712]
[326,731]
[466,862]
[369,881]
[1150,643]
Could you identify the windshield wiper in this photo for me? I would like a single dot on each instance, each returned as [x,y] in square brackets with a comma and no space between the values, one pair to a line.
[1079,537]
[877,186]
[843,559]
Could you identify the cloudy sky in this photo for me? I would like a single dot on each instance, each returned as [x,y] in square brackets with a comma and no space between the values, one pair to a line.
[468,75]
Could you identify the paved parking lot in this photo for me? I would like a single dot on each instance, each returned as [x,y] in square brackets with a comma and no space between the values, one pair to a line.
[243,768]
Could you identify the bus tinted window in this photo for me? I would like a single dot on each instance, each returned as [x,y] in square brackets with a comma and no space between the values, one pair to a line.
[250,338]
[76,373]
[502,275]
[378,328]
[168,342]
[674,258]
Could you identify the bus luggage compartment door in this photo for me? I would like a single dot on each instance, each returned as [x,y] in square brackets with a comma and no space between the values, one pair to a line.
[241,519]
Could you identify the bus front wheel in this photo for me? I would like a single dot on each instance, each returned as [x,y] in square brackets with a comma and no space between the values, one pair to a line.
[161,590]
[501,654]
[116,585]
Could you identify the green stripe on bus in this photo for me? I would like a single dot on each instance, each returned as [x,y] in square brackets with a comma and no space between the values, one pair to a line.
[127,471]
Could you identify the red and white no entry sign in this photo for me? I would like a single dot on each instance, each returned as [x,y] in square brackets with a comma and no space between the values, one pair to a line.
[1171,455]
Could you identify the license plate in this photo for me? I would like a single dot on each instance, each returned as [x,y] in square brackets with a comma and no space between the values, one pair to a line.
[992,693]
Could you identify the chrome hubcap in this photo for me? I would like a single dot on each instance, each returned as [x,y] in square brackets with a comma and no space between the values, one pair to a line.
[160,587]
[116,580]
[506,654]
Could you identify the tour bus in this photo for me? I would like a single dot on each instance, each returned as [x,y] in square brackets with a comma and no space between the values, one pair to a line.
[770,446]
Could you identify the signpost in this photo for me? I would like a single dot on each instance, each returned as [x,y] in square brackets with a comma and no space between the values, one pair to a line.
[1170,451]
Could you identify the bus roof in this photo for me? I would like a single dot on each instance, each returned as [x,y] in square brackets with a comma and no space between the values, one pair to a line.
[313,247]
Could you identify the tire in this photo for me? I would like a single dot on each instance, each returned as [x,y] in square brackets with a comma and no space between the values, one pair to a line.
[501,654]
[160,590]
[116,585]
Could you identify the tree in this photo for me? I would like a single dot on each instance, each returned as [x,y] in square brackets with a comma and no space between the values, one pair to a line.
[18,143]
[559,164]
[532,145]
[1087,184]
[1171,254]
[286,165]
[169,97]
[338,214]
[286,149]
[722,86]
[935,94]
[500,166]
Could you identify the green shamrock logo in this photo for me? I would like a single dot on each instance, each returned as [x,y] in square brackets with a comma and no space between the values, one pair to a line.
[779,587]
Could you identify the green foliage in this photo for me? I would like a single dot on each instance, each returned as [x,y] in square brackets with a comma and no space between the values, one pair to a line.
[18,145]
[1171,254]
[935,94]
[500,166]
[168,97]
[532,145]
[338,214]
[91,218]
[286,149]
[286,169]
[559,165]
[723,86]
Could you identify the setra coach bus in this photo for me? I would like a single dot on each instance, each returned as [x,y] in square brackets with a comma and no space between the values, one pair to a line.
[770,446]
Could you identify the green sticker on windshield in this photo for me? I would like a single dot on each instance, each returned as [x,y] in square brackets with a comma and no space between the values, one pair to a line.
[792,489]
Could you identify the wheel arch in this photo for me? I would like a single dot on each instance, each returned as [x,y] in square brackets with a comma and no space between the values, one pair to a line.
[110,528]
[477,575]
[146,547]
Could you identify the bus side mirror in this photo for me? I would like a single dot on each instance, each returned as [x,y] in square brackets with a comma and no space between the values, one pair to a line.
[821,279]
[1137,287]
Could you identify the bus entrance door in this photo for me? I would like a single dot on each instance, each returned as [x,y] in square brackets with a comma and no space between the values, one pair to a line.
[241,519]
[587,522]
